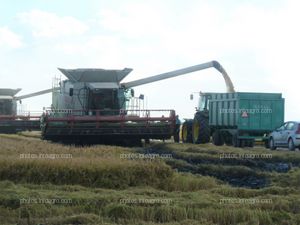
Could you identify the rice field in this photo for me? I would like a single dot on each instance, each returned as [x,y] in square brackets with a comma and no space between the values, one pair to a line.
[163,183]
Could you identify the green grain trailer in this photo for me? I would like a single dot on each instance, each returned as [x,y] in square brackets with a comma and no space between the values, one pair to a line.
[240,118]
[236,119]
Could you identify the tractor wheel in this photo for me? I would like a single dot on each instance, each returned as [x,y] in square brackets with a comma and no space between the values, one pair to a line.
[186,132]
[201,129]
[217,138]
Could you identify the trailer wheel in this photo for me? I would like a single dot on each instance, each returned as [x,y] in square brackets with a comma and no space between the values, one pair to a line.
[217,138]
[267,144]
[201,130]
[228,139]
[251,143]
[186,132]
[235,141]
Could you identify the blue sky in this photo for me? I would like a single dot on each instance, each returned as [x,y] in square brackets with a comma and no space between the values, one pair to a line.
[256,41]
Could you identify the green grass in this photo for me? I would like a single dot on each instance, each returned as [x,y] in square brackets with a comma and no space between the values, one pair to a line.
[100,187]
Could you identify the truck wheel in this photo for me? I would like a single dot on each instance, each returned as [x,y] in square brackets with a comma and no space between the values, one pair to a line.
[217,138]
[187,132]
[200,130]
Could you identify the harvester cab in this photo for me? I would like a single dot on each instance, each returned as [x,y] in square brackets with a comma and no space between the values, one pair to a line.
[8,105]
[89,90]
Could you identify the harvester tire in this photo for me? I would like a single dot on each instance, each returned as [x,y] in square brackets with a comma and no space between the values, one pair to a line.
[186,133]
[201,129]
[217,138]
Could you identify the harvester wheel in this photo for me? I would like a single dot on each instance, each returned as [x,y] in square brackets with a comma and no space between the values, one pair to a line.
[186,132]
[201,129]
[217,138]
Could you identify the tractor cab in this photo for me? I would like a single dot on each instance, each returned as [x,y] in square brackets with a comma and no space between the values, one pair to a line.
[203,102]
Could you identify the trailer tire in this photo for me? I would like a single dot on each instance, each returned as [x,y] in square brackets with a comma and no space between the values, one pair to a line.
[242,143]
[235,141]
[228,139]
[186,133]
[200,129]
[217,138]
[267,144]
[251,143]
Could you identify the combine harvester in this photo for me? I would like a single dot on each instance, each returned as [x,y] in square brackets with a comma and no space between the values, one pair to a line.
[92,106]
[10,120]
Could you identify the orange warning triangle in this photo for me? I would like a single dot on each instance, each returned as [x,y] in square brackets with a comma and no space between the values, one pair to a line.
[245,114]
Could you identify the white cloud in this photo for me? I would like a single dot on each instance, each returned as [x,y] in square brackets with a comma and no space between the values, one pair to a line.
[133,20]
[49,25]
[9,38]
[258,46]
